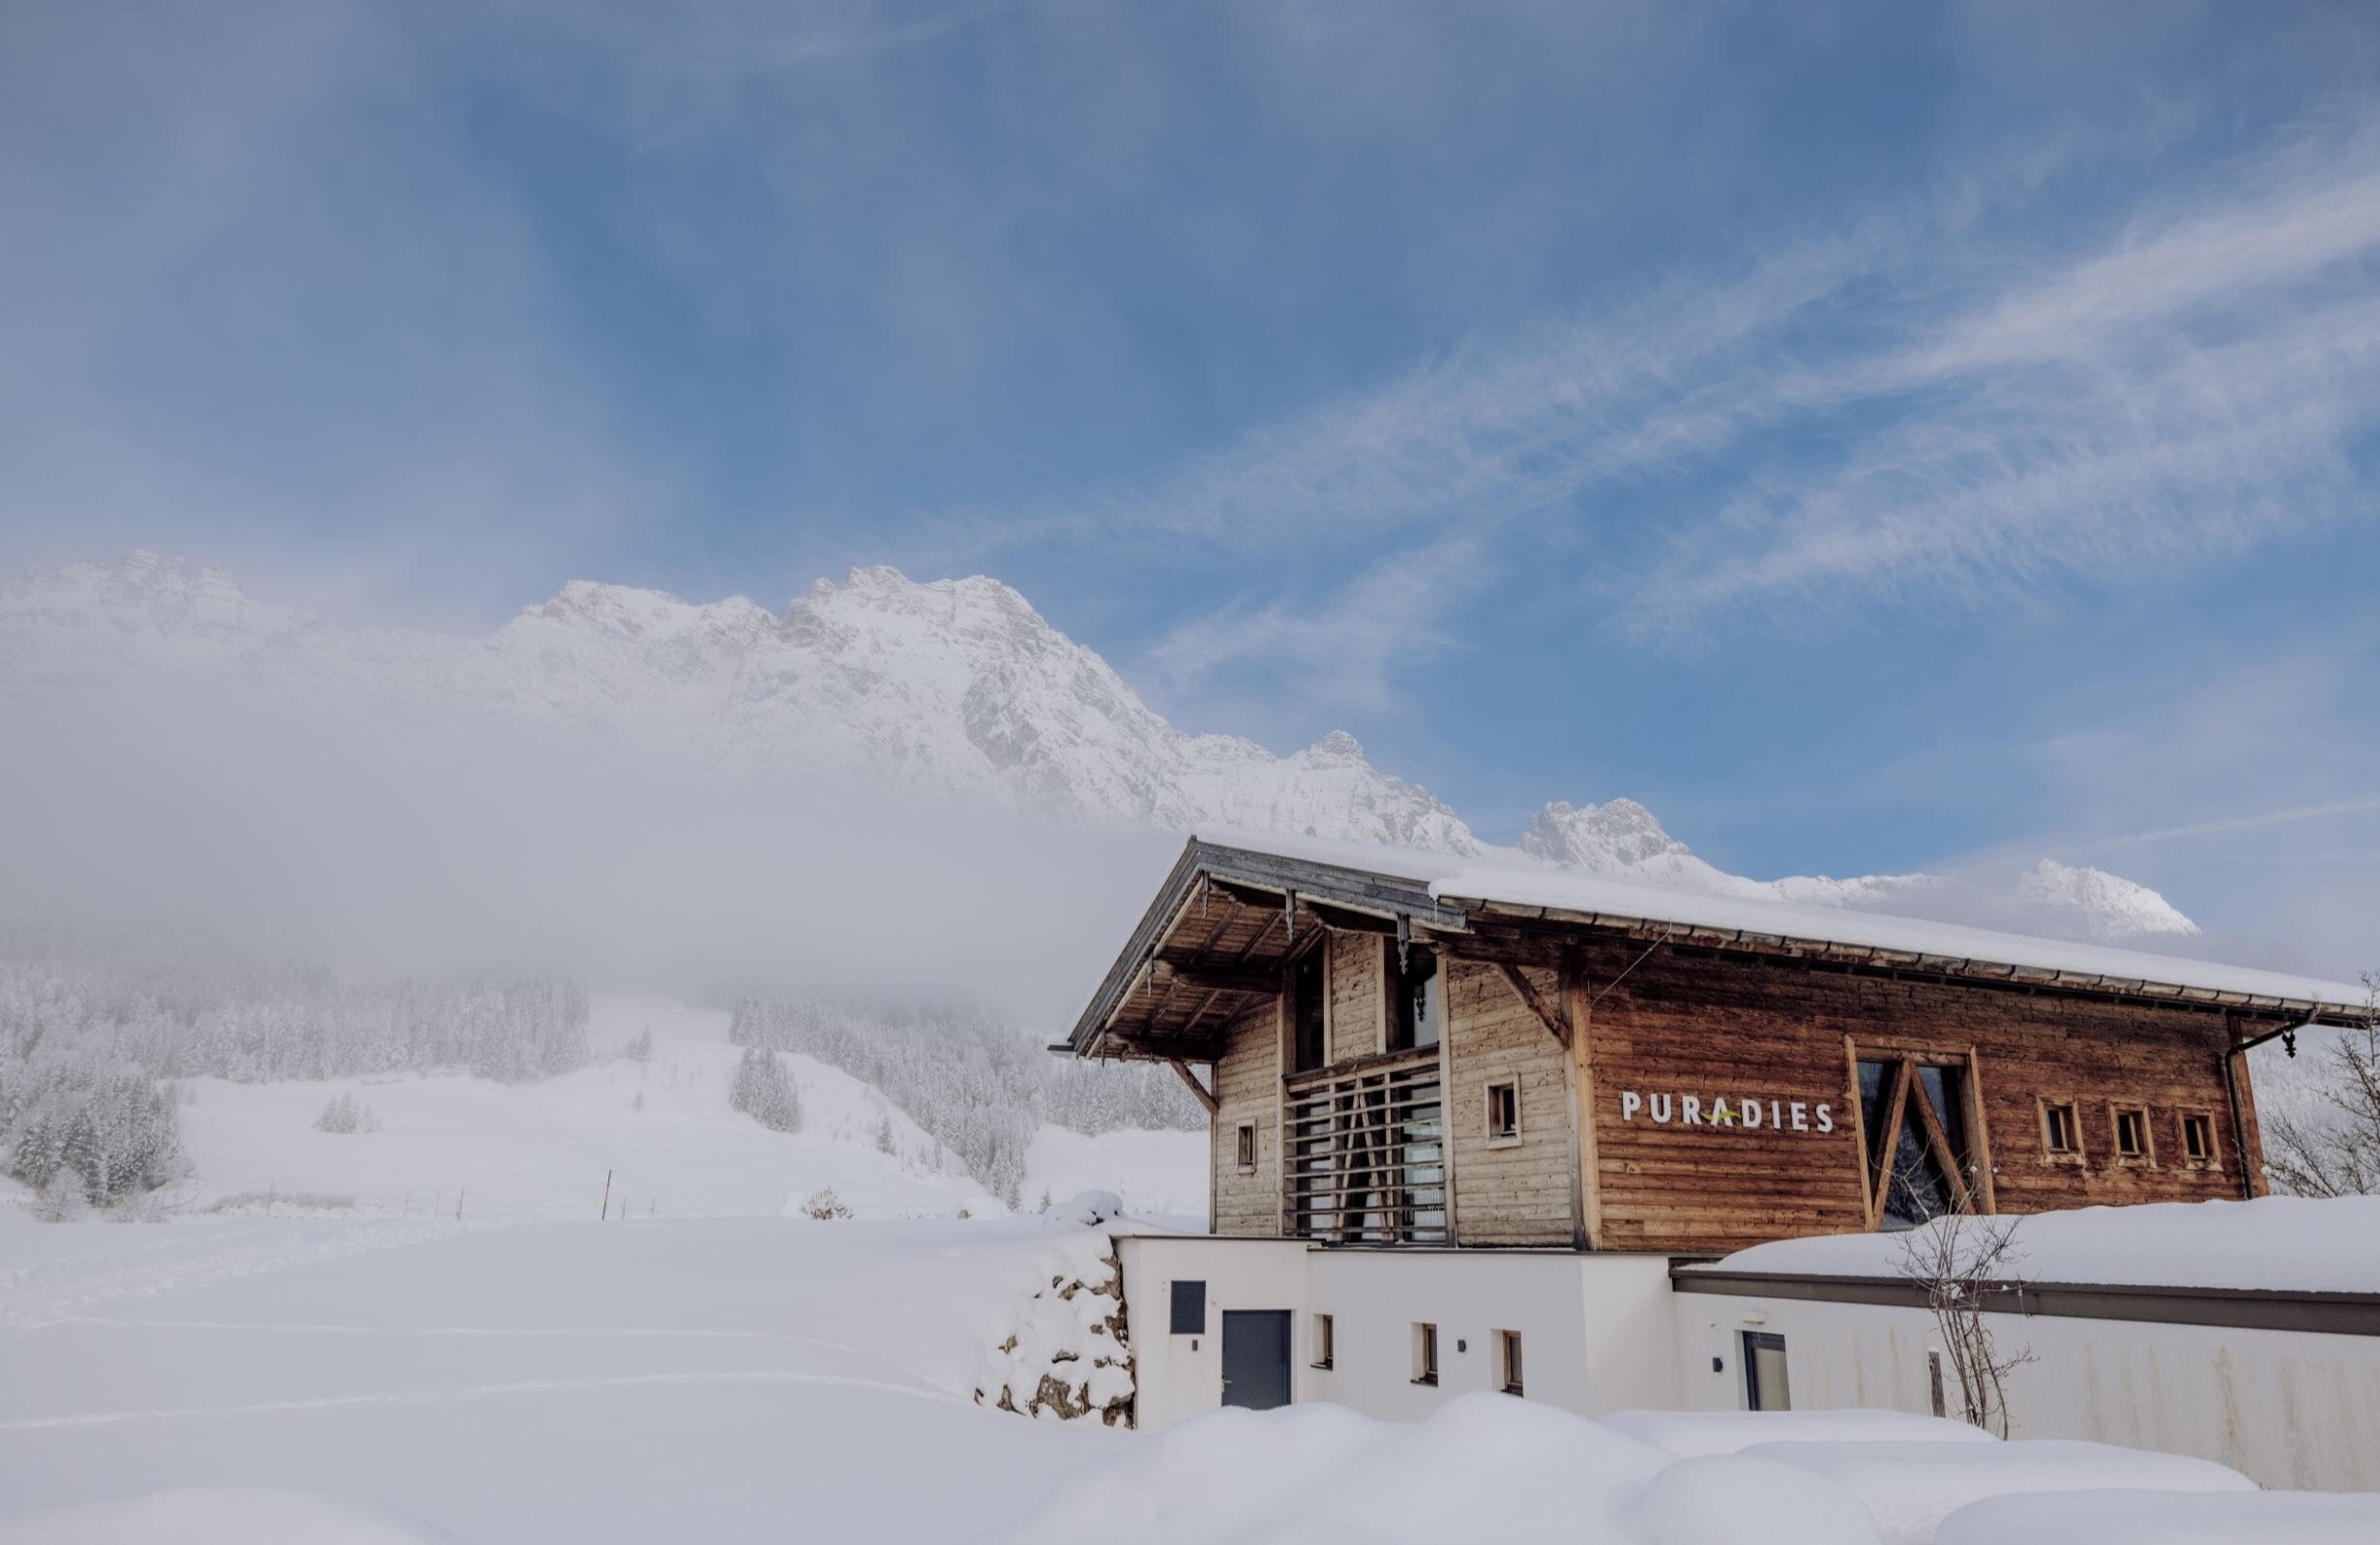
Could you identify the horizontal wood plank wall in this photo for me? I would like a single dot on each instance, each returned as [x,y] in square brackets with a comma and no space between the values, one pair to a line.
[1682,1023]
[1357,1007]
[1247,1088]
[1524,1193]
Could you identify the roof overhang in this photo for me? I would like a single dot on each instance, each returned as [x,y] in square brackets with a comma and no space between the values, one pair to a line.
[1217,934]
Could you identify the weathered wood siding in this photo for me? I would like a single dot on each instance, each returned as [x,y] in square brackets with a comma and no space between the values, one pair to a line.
[1692,1023]
[1247,1088]
[1520,1193]
[1355,983]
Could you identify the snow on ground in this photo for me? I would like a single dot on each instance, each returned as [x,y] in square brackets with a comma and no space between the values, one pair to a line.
[2166,1518]
[723,1379]
[219,1515]
[1690,1434]
[1911,1487]
[713,1379]
[2274,1243]
[661,1128]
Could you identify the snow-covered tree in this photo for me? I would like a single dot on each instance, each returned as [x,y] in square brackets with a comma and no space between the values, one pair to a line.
[762,1091]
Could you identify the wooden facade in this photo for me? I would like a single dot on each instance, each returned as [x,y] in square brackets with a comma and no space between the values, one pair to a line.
[1593,1082]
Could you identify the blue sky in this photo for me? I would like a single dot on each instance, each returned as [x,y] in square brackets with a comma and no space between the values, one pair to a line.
[1875,436]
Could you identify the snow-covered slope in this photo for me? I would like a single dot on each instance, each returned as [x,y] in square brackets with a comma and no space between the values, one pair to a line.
[950,687]
[661,1129]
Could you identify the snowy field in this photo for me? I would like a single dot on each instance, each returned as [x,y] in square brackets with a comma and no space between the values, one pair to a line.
[721,1380]
[662,1128]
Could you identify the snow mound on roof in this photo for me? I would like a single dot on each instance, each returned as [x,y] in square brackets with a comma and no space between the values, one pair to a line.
[219,1515]
[2103,1517]
[1690,1434]
[1911,1487]
[2275,1243]
[1749,907]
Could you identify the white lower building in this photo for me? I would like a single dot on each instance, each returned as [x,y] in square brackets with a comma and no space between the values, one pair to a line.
[2140,1324]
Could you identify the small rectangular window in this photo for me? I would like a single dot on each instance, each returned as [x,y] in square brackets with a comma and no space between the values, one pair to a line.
[1248,1145]
[1424,1353]
[1508,1362]
[1503,1111]
[1323,1350]
[2199,1138]
[1189,1308]
[2131,1124]
[2058,1130]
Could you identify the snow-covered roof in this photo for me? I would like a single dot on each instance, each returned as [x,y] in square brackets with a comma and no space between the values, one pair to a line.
[1472,885]
[2274,1244]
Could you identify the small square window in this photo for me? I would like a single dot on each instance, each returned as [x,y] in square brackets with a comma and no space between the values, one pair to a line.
[1424,1353]
[1508,1362]
[1323,1348]
[1246,1145]
[2131,1124]
[1504,1112]
[2198,1139]
[2060,1135]
[1189,1308]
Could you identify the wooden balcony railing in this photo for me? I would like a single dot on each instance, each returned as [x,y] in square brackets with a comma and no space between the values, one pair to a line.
[1367,1153]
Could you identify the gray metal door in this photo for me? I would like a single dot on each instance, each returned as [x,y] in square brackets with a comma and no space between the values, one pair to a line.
[1256,1357]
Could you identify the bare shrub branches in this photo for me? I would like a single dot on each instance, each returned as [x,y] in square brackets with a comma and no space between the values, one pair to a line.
[2337,1151]
[1962,1260]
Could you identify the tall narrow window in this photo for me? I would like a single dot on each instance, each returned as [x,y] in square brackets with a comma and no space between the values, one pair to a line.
[1420,1002]
[2199,1138]
[2058,1131]
[1424,1353]
[2132,1123]
[1508,1362]
[1324,1334]
[1248,1145]
[1765,1385]
[1306,1008]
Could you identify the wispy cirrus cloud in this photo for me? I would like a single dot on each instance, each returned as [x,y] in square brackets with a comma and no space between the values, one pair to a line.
[1940,404]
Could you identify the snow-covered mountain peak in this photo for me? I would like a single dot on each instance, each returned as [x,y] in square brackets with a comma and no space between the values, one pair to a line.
[2105,908]
[1616,834]
[953,687]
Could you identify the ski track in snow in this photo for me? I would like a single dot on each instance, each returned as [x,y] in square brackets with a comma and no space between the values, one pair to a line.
[31,1296]
[525,1386]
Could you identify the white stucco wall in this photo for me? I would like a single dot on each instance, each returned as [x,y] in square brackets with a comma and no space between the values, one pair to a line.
[2290,1409]
[1598,1333]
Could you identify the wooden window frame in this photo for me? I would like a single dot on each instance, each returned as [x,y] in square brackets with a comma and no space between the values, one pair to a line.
[1324,1336]
[1973,1194]
[1425,1353]
[1244,1148]
[1496,1139]
[2074,1155]
[2213,1159]
[2117,1110]
[1508,1350]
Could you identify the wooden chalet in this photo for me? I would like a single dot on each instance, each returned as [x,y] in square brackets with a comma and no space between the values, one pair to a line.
[1409,1050]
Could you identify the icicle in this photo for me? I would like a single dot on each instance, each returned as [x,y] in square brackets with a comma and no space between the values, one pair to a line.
[1289,918]
[1404,941]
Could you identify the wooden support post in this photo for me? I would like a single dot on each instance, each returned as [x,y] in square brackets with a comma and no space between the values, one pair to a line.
[1197,1089]
[1587,1177]
[1548,1015]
